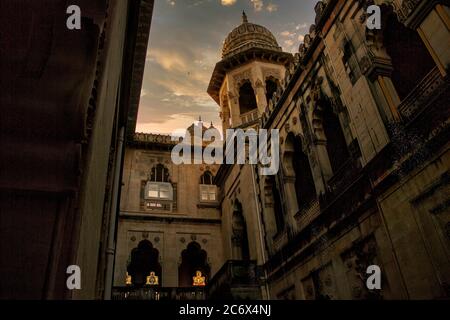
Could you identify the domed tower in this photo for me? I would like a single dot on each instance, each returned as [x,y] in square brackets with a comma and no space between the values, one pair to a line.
[252,68]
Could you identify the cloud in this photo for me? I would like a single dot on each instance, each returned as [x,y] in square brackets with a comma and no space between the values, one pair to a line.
[258,5]
[228,2]
[301,26]
[271,7]
[174,124]
[289,43]
[185,44]
[169,60]
[288,34]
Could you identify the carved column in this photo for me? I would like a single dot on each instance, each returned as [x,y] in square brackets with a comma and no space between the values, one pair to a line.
[233,100]
[260,90]
[291,202]
[377,66]
[225,113]
[260,93]
[319,138]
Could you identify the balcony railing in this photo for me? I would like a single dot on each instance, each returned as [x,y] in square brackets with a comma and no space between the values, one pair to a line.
[308,213]
[242,275]
[234,274]
[157,294]
[344,176]
[431,86]
[249,117]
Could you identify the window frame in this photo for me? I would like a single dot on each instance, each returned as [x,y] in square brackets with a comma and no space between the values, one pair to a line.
[208,193]
[159,188]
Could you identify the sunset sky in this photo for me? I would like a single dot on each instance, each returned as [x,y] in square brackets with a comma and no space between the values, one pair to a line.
[185,44]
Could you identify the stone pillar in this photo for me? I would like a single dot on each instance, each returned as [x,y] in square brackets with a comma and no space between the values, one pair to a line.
[260,92]
[234,108]
[323,159]
[378,69]
[386,87]
[225,113]
[291,201]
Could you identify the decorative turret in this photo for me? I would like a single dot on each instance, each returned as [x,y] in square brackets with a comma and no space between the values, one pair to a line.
[252,69]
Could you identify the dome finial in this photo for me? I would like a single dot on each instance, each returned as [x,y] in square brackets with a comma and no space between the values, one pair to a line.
[244,17]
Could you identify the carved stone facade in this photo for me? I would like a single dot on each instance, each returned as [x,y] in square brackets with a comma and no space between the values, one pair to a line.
[364,159]
[170,224]
[364,169]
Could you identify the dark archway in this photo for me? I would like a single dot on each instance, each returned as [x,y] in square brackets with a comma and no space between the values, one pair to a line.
[247,98]
[271,88]
[277,203]
[144,259]
[193,259]
[239,234]
[336,144]
[410,57]
[207,178]
[304,182]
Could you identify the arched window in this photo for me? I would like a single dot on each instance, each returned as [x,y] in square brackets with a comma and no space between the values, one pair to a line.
[208,191]
[247,98]
[158,190]
[327,127]
[144,259]
[277,203]
[239,234]
[159,173]
[297,164]
[271,88]
[193,259]
[207,178]
[410,57]
[336,144]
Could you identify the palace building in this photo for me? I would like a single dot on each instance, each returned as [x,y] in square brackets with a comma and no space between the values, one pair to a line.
[364,177]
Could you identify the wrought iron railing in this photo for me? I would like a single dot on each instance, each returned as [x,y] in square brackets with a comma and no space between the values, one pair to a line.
[157,294]
[307,213]
[234,273]
[431,86]
[344,176]
[249,117]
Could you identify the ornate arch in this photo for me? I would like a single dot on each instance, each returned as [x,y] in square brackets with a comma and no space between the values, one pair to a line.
[239,233]
[159,173]
[143,260]
[296,165]
[274,201]
[271,85]
[193,259]
[395,49]
[247,97]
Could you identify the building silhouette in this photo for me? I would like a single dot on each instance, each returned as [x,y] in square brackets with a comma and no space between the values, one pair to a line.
[68,100]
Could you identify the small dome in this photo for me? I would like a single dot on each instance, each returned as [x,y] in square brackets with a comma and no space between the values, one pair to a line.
[249,35]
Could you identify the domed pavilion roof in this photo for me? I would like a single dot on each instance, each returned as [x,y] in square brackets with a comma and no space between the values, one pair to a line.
[249,35]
